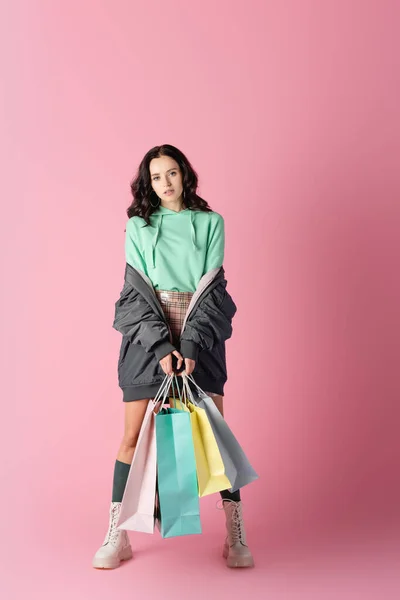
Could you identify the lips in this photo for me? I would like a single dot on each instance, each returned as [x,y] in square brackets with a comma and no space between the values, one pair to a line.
[168,191]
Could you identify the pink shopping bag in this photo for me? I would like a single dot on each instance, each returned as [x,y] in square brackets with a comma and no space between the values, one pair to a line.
[137,509]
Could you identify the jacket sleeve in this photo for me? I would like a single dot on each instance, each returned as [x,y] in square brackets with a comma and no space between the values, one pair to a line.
[135,319]
[210,322]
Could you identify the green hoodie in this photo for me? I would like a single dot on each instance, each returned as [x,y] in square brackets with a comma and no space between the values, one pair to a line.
[177,249]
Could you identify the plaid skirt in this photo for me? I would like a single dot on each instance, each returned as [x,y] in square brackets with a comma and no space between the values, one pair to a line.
[175,305]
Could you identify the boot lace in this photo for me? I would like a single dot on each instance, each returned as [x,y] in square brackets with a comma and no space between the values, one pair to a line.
[113,533]
[236,530]
[236,520]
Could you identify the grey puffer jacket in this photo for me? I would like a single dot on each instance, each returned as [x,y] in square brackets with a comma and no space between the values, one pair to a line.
[146,335]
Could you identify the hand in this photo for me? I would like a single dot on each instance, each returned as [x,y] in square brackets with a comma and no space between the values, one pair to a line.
[189,366]
[166,362]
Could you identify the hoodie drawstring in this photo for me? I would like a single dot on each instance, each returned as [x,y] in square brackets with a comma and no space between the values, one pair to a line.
[157,235]
[155,239]
[193,230]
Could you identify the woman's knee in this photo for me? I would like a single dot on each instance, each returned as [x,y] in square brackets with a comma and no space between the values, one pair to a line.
[129,440]
[133,423]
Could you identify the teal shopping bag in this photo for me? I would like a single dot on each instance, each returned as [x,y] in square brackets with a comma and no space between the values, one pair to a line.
[176,474]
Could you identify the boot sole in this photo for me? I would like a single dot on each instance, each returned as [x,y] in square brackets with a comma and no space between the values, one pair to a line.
[233,563]
[110,563]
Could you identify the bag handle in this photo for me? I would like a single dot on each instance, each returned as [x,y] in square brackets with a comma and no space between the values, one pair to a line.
[198,387]
[163,391]
[188,390]
[173,388]
[175,384]
[183,397]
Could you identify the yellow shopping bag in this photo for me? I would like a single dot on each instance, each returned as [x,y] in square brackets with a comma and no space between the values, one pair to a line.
[178,404]
[210,468]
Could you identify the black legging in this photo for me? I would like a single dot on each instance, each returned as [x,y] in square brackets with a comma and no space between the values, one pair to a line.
[227,495]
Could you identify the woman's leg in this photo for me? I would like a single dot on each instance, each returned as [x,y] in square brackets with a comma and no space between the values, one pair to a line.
[116,545]
[134,413]
[236,550]
[219,403]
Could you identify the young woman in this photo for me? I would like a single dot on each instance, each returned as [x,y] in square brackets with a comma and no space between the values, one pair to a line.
[175,314]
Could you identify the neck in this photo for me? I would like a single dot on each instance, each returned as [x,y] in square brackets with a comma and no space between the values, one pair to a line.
[177,205]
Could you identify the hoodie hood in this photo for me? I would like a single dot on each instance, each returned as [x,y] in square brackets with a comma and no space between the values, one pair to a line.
[166,213]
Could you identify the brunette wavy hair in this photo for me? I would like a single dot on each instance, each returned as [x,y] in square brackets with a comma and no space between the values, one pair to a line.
[143,194]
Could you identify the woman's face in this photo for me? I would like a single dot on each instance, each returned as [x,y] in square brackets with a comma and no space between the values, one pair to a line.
[166,179]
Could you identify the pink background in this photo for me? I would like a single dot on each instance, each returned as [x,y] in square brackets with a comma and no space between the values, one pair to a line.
[289,113]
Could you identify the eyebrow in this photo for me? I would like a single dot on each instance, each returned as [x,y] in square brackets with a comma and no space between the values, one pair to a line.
[173,169]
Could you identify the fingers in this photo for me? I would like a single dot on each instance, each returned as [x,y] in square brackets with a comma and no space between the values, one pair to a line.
[179,357]
[166,364]
[189,366]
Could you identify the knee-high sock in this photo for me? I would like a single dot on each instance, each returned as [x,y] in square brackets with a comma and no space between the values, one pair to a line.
[121,472]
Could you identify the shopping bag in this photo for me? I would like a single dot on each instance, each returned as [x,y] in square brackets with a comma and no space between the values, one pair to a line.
[237,466]
[179,404]
[176,474]
[211,476]
[137,507]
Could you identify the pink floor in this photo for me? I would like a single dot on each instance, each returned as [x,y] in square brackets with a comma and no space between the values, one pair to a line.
[53,560]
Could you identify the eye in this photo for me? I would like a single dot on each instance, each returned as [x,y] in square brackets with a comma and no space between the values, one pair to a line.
[156,177]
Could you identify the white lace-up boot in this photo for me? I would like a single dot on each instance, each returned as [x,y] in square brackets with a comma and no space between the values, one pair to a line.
[116,546]
[236,550]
